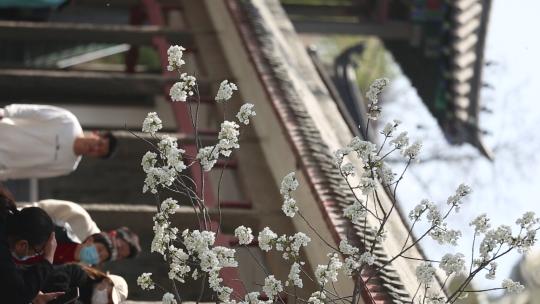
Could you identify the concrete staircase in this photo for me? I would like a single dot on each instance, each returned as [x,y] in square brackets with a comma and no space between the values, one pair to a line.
[111,190]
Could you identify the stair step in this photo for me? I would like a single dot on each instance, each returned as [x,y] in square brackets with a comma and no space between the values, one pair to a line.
[139,217]
[206,138]
[88,32]
[83,81]
[36,84]
[119,3]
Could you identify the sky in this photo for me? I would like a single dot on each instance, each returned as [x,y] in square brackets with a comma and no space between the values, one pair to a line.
[508,186]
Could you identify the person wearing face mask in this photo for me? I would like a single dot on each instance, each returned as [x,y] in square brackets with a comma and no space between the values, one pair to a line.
[24,233]
[95,250]
[79,225]
[45,141]
[95,287]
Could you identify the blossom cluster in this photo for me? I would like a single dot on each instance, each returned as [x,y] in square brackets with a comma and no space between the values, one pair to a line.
[294,275]
[425,273]
[444,235]
[171,154]
[184,88]
[290,245]
[288,185]
[208,157]
[245,113]
[267,238]
[318,297]
[373,94]
[511,286]
[367,153]
[272,287]
[211,259]
[452,263]
[373,168]
[528,220]
[439,230]
[355,212]
[227,139]
[456,199]
[145,281]
[181,90]
[225,91]
[163,170]
[152,123]
[354,261]
[168,298]
[244,235]
[416,213]
[329,272]
[199,253]
[178,265]
[164,234]
[480,223]
[502,235]
[435,299]
[174,56]
[390,127]
[401,143]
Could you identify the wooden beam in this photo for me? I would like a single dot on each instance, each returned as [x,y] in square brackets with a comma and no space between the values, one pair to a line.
[84,32]
[121,3]
[35,83]
[71,97]
[388,31]
[139,217]
[107,3]
[83,85]
[324,10]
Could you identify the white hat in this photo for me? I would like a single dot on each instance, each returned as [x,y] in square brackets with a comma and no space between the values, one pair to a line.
[120,289]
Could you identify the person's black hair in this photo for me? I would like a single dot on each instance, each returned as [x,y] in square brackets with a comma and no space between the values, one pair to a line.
[106,241]
[131,238]
[32,224]
[7,204]
[112,143]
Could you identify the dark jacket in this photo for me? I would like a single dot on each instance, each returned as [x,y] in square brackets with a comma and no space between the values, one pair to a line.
[68,276]
[19,284]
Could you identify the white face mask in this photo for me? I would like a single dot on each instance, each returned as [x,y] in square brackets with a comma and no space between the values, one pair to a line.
[100,296]
[24,258]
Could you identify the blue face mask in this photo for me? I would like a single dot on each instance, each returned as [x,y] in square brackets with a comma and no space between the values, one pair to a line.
[89,255]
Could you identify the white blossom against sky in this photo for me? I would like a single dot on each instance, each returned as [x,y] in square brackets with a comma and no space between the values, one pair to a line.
[510,185]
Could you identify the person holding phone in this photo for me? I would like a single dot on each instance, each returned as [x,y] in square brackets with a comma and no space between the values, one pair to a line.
[94,286]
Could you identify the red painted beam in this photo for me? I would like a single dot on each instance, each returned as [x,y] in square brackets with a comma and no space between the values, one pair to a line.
[181,110]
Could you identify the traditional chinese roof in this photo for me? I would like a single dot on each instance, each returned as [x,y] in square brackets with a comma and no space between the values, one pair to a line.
[314,128]
[445,38]
[464,55]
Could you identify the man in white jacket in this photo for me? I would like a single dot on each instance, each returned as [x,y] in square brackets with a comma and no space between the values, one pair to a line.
[45,141]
